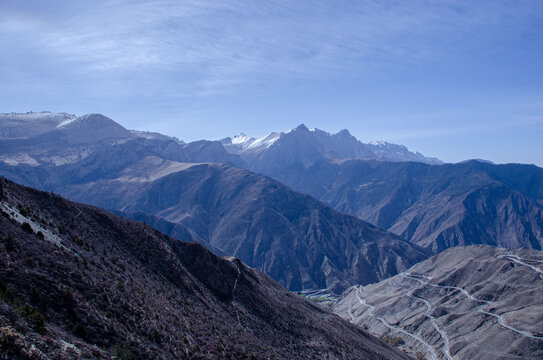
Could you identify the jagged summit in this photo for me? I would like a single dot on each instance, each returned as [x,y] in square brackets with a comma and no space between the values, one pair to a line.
[241,138]
[300,128]
[344,133]
[305,146]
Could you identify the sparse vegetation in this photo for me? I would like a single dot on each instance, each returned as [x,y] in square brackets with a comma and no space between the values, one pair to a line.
[9,243]
[7,295]
[122,353]
[114,303]
[80,331]
[77,240]
[393,340]
[22,210]
[318,299]
[26,227]
[33,317]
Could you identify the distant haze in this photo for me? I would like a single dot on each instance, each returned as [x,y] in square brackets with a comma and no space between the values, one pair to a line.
[451,79]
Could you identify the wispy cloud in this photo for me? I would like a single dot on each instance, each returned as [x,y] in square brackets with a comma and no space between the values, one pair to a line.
[214,46]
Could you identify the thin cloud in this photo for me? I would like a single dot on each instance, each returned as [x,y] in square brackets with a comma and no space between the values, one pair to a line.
[215,46]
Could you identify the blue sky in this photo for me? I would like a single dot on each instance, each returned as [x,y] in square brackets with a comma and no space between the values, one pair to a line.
[452,79]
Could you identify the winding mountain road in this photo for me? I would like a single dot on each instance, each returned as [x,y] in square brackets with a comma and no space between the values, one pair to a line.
[433,321]
[481,307]
[369,312]
[521,261]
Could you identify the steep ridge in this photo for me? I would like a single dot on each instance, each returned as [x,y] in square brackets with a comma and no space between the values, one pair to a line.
[78,282]
[475,302]
[297,240]
[435,207]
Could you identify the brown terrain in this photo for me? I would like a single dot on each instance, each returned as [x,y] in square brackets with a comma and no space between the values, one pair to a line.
[475,302]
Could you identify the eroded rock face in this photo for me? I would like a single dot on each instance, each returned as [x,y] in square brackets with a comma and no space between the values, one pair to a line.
[78,282]
[475,302]
[433,206]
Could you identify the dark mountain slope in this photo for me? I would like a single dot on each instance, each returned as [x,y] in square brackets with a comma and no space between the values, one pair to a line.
[434,206]
[78,282]
[295,239]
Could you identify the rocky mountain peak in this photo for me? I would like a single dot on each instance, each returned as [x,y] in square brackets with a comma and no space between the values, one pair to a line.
[344,133]
[300,128]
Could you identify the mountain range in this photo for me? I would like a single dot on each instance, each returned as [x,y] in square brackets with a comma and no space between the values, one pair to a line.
[78,282]
[295,239]
[473,302]
[428,203]
[75,139]
[432,206]
[304,147]
[310,209]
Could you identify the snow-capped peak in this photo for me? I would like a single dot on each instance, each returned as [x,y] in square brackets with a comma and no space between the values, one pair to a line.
[299,128]
[65,122]
[243,143]
[303,143]
[265,141]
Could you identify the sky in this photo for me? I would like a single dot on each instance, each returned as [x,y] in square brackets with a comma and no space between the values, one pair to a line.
[451,79]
